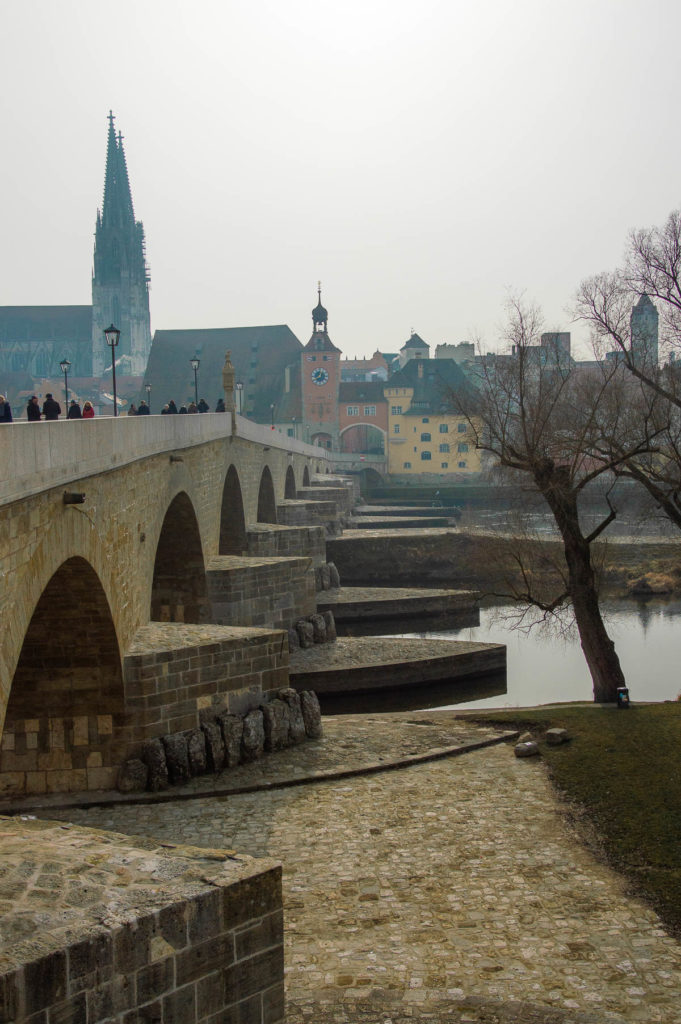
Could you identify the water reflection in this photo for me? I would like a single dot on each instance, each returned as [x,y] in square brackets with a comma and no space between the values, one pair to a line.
[410,698]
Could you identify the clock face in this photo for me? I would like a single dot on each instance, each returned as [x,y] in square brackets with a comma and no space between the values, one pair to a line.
[319,375]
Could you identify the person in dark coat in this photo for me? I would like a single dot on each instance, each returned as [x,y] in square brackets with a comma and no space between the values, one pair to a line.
[203,405]
[74,412]
[33,410]
[143,409]
[172,408]
[220,407]
[51,409]
[5,410]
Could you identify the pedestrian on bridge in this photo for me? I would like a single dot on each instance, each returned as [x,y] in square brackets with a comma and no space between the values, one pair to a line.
[143,409]
[74,412]
[5,410]
[88,411]
[203,405]
[51,408]
[33,410]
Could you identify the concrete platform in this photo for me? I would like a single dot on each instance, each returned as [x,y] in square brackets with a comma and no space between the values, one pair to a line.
[368,664]
[358,604]
[386,522]
[411,511]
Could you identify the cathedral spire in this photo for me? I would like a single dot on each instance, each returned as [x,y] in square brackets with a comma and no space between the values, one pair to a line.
[117,208]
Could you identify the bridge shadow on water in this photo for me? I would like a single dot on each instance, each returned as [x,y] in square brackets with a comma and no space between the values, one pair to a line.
[439,694]
[426,624]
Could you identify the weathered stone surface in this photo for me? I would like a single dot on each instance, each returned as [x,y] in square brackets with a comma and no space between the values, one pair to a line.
[177,757]
[318,629]
[196,750]
[275,717]
[305,633]
[318,583]
[331,635]
[253,739]
[132,778]
[312,715]
[154,756]
[526,737]
[325,576]
[528,749]
[232,731]
[291,698]
[556,736]
[293,640]
[334,575]
[215,746]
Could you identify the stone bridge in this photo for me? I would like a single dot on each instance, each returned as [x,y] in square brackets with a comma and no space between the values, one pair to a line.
[148,566]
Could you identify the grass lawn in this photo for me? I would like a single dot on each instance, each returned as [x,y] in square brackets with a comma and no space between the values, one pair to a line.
[623,768]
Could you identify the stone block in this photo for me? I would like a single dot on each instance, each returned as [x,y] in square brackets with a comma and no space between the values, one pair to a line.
[334,575]
[177,757]
[331,635]
[556,736]
[253,739]
[318,628]
[293,640]
[312,715]
[215,746]
[196,750]
[528,749]
[232,732]
[275,716]
[133,776]
[154,756]
[325,576]
[305,633]
[291,698]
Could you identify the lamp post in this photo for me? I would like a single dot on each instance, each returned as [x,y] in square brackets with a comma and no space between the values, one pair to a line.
[239,395]
[295,432]
[112,334]
[195,363]
[65,366]
[272,412]
[147,388]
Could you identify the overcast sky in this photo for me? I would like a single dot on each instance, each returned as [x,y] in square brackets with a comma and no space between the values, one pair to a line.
[419,157]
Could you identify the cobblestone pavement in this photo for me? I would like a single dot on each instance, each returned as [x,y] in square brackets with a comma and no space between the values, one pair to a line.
[447,891]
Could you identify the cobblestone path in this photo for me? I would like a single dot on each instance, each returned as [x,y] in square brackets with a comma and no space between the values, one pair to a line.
[452,890]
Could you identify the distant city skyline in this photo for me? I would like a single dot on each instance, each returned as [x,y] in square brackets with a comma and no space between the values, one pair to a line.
[419,160]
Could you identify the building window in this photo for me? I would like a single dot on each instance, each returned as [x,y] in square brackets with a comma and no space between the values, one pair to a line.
[396,410]
[289,431]
[444,428]
[461,427]
[353,410]
[407,465]
[325,358]
[462,446]
[444,465]
[396,428]
[425,420]
[369,410]
[444,447]
[425,437]
[462,465]
[425,456]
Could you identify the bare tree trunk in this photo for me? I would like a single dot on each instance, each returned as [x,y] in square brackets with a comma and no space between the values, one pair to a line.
[599,650]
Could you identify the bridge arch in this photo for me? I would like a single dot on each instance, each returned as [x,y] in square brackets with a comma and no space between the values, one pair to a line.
[290,484]
[232,519]
[178,590]
[267,505]
[363,437]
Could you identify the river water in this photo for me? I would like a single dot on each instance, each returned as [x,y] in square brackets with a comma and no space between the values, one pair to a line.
[543,667]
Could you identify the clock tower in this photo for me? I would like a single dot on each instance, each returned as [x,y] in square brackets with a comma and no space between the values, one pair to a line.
[320,376]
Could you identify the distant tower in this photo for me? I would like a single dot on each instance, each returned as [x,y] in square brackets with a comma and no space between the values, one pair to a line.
[320,382]
[644,333]
[120,281]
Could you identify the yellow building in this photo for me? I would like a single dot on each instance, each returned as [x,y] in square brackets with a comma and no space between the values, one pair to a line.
[425,439]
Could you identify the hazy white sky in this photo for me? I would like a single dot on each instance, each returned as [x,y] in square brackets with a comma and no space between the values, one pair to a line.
[420,157]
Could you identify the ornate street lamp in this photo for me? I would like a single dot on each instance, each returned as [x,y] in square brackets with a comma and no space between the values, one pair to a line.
[195,363]
[272,411]
[239,386]
[112,334]
[147,388]
[65,366]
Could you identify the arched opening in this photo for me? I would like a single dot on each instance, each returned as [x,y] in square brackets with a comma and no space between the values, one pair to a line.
[267,506]
[306,477]
[363,437]
[290,484]
[232,520]
[369,478]
[67,689]
[322,440]
[178,592]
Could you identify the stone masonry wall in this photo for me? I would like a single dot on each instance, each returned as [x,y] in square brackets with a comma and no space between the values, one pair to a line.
[266,540]
[272,592]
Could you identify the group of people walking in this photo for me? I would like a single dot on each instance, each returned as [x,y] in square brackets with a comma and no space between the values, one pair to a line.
[202,406]
[51,409]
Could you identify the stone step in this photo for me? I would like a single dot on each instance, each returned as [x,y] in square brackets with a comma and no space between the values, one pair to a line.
[262,592]
[365,522]
[360,604]
[341,495]
[272,540]
[300,512]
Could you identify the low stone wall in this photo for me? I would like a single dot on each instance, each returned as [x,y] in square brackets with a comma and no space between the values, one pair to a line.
[267,540]
[300,513]
[341,495]
[271,592]
[136,933]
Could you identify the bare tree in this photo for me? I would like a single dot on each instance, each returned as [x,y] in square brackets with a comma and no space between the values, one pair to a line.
[538,414]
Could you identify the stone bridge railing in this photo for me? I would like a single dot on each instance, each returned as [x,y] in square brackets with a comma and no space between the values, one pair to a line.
[37,456]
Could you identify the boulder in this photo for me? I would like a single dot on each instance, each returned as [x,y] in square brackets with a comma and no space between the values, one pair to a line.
[275,720]
[215,746]
[318,629]
[331,634]
[325,576]
[293,640]
[133,776]
[554,737]
[253,739]
[318,579]
[196,750]
[528,749]
[154,757]
[177,757]
[296,723]
[312,715]
[232,733]
[334,576]
[305,633]
[526,737]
